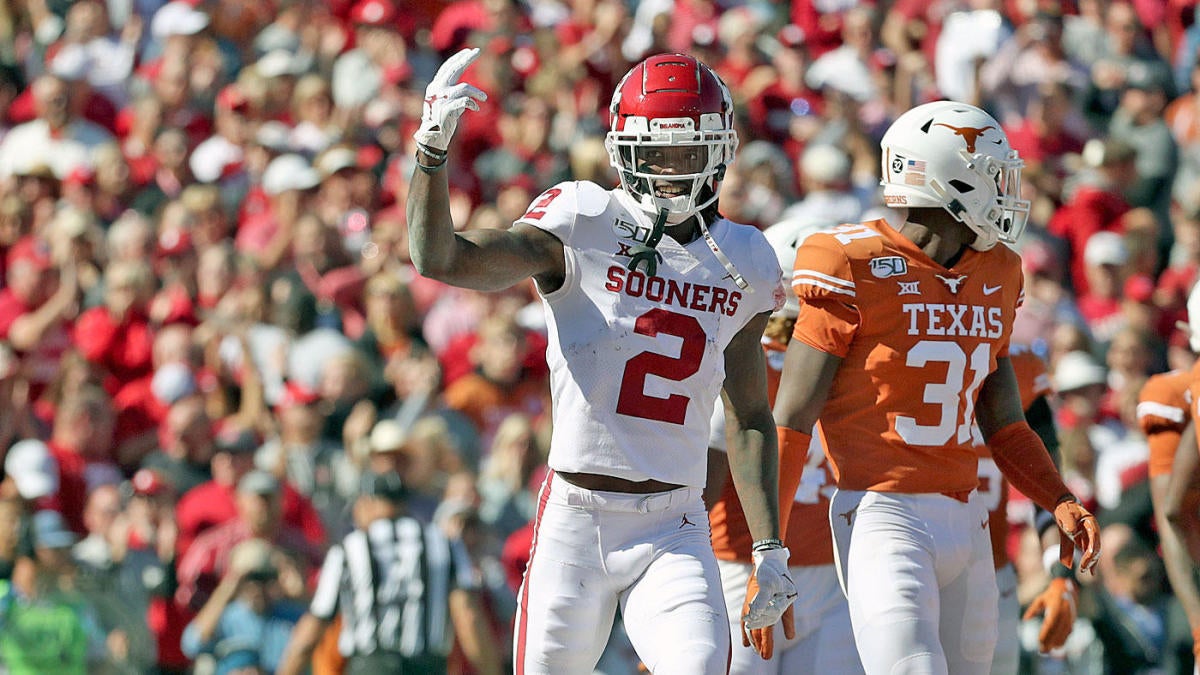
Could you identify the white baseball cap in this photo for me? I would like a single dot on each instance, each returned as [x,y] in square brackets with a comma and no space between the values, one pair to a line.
[177,18]
[33,469]
[289,172]
[172,382]
[387,436]
[277,62]
[1105,248]
[1076,370]
[825,163]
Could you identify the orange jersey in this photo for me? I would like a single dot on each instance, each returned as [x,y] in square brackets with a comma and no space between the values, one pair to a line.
[1163,410]
[916,341]
[808,537]
[1033,382]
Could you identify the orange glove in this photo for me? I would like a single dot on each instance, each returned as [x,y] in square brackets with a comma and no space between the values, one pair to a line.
[1058,604]
[1077,527]
[763,639]
[1196,643]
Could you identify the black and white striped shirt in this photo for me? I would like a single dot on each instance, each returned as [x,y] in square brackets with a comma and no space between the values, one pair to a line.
[392,584]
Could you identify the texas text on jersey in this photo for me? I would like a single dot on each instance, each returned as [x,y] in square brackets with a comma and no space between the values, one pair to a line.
[903,401]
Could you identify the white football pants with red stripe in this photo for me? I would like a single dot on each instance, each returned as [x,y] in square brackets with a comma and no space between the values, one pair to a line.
[649,554]
[919,576]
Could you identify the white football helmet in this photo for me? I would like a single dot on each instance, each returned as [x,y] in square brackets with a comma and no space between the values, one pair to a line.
[667,103]
[786,238]
[955,156]
[1193,322]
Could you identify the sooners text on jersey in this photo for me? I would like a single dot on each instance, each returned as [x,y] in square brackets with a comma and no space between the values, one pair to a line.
[637,361]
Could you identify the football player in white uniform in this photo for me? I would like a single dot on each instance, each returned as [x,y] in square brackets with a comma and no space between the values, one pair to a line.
[652,302]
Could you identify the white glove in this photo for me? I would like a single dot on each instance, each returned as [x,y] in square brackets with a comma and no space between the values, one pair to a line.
[445,100]
[775,589]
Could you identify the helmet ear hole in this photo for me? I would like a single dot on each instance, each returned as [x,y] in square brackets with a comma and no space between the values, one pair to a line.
[962,186]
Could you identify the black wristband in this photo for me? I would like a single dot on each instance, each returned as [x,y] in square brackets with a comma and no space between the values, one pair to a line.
[1061,571]
[439,155]
[431,169]
[766,545]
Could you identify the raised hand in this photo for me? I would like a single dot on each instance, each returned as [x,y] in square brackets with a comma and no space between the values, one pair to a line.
[445,100]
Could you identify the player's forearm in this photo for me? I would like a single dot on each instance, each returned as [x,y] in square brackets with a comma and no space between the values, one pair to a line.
[1178,562]
[754,465]
[1168,492]
[1024,461]
[431,237]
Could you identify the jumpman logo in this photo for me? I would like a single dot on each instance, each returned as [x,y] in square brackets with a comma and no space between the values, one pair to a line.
[684,521]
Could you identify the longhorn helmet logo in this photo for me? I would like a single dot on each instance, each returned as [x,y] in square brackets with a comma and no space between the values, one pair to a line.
[969,134]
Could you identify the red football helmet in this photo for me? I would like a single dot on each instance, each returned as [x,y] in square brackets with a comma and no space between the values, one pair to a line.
[672,134]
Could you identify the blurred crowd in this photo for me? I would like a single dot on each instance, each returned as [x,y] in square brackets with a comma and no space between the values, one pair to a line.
[210,327]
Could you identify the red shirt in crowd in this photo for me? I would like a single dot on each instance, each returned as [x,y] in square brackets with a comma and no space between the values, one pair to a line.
[123,347]
[72,486]
[201,567]
[1091,210]
[41,364]
[211,504]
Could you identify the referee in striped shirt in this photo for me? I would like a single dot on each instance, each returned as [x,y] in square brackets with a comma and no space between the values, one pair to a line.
[404,590]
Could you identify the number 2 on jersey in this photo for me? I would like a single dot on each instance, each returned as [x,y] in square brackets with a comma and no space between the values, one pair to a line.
[537,209]
[948,394]
[633,400]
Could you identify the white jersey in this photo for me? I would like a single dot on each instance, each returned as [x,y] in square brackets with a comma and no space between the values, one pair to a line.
[637,362]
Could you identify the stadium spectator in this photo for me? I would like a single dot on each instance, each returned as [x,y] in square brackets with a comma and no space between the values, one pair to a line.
[258,515]
[58,138]
[248,620]
[1095,203]
[36,307]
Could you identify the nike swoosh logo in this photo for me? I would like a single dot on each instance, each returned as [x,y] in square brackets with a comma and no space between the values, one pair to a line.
[983,525]
[988,290]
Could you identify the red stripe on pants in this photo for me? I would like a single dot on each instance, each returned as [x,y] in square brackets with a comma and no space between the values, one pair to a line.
[524,624]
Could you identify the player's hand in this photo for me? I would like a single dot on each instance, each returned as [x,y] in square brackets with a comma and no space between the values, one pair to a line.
[1196,644]
[763,639]
[769,596]
[1057,602]
[1077,528]
[445,100]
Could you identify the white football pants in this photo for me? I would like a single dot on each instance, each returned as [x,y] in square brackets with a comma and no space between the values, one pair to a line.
[920,579]
[649,553]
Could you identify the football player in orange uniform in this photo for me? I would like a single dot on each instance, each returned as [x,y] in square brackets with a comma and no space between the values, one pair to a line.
[1165,414]
[823,641]
[901,344]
